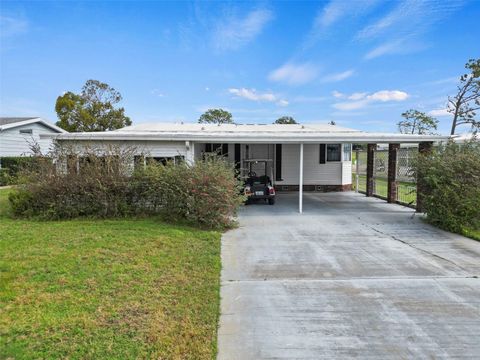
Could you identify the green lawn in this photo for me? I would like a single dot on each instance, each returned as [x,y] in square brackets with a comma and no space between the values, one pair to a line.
[407,192]
[114,289]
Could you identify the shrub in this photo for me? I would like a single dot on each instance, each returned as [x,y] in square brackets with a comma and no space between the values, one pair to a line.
[103,184]
[12,166]
[451,178]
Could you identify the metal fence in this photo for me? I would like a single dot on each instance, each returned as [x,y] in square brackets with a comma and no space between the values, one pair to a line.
[406,183]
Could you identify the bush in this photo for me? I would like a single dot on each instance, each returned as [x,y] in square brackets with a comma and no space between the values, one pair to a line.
[13,166]
[450,176]
[103,184]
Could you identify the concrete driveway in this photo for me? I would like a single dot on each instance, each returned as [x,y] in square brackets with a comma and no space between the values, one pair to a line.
[350,277]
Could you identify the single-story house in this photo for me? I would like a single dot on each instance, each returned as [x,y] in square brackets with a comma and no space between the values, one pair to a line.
[18,134]
[316,156]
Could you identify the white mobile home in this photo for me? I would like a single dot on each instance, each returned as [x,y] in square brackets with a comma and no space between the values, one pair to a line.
[310,157]
[17,134]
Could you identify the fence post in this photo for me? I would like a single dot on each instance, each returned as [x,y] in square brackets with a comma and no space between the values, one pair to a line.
[423,148]
[357,169]
[392,173]
[370,165]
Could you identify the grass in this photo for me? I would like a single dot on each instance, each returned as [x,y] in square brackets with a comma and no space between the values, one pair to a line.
[407,192]
[114,289]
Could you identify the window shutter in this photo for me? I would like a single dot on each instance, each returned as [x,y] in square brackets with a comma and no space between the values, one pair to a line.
[322,153]
[237,157]
[278,162]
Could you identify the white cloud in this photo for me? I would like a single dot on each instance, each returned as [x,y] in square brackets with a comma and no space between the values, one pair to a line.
[337,94]
[361,100]
[401,27]
[334,12]
[207,89]
[338,76]
[236,32]
[157,92]
[10,26]
[252,94]
[399,46]
[439,112]
[357,96]
[294,74]
[337,10]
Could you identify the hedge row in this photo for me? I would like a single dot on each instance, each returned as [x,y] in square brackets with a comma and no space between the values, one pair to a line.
[206,193]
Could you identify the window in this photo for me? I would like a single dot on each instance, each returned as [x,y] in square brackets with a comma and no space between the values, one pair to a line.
[347,152]
[167,159]
[26,131]
[334,152]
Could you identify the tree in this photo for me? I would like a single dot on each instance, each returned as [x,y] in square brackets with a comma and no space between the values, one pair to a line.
[286,120]
[332,122]
[464,105]
[91,110]
[216,116]
[417,122]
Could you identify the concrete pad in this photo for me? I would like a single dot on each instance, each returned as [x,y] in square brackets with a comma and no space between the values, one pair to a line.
[351,277]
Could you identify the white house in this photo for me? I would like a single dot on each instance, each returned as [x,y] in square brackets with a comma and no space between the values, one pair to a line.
[316,156]
[17,134]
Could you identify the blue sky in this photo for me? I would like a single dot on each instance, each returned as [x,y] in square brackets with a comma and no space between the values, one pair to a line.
[359,63]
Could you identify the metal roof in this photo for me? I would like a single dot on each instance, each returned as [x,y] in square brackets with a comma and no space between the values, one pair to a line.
[12,122]
[230,133]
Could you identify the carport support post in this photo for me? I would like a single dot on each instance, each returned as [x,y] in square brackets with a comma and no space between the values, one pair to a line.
[300,182]
[392,173]
[370,163]
[423,148]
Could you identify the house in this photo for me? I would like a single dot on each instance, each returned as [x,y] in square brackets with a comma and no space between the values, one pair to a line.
[317,156]
[17,134]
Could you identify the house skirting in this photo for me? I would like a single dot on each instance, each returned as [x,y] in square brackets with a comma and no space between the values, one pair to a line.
[314,188]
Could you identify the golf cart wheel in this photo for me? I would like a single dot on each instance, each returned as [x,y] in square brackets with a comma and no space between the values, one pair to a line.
[247,202]
[271,201]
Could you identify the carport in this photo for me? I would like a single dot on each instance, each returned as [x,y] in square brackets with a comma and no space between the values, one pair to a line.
[352,277]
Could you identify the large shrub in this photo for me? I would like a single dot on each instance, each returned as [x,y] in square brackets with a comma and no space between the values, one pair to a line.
[450,176]
[103,183]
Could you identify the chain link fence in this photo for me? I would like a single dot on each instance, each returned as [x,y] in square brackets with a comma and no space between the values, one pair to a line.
[406,183]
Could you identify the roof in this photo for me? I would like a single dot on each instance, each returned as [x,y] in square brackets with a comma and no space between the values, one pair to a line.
[466,137]
[13,122]
[253,133]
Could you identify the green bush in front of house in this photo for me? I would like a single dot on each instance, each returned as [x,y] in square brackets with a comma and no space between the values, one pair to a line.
[451,178]
[105,185]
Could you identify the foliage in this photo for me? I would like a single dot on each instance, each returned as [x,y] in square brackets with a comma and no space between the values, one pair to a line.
[99,183]
[417,122]
[450,176]
[332,122]
[464,105]
[12,166]
[286,120]
[107,289]
[216,116]
[91,110]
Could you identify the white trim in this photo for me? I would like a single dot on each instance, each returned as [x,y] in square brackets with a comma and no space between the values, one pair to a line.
[300,182]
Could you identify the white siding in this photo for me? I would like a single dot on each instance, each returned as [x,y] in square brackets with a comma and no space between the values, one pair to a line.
[346,172]
[12,143]
[314,173]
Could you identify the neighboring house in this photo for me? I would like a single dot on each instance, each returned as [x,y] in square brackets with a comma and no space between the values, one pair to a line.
[318,156]
[463,138]
[17,134]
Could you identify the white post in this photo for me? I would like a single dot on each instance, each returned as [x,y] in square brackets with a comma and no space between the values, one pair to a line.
[357,168]
[300,182]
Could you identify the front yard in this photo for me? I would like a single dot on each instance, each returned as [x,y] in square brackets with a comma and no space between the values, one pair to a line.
[132,288]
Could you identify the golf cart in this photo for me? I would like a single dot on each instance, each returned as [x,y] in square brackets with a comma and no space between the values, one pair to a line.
[258,186]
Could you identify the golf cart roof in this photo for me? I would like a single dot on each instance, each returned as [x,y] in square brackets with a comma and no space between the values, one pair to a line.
[257,160]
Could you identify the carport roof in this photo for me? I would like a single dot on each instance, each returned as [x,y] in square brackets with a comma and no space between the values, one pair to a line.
[250,133]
